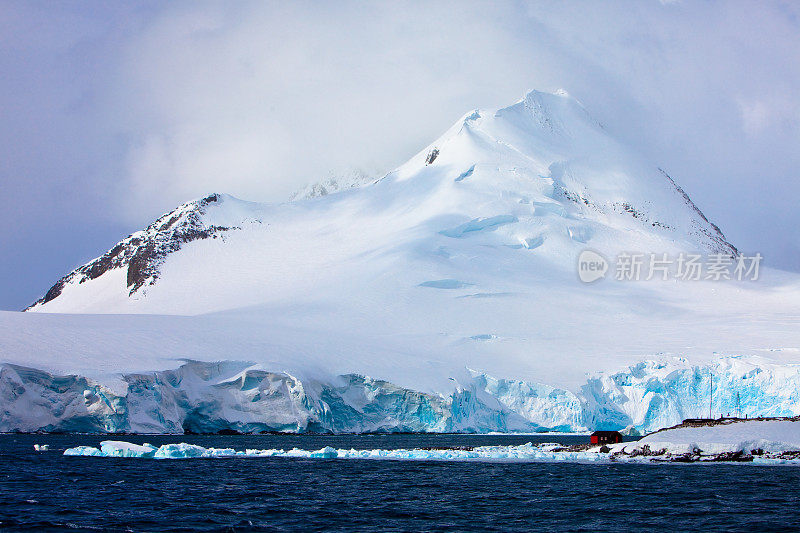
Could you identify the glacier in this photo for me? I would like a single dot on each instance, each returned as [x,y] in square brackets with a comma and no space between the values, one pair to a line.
[441,297]
[200,397]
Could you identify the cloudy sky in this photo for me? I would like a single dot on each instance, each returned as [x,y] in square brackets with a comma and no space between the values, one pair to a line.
[112,113]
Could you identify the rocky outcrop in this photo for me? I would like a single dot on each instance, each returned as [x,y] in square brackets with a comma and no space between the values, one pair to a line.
[143,252]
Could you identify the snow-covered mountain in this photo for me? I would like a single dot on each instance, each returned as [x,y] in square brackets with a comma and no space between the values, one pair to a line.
[442,297]
[539,177]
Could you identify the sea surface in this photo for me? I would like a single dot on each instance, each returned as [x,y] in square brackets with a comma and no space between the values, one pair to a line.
[45,490]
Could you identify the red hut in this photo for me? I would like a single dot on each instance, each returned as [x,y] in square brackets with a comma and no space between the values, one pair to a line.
[606,437]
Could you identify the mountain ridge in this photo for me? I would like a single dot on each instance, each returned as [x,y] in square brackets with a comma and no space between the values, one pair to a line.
[542,166]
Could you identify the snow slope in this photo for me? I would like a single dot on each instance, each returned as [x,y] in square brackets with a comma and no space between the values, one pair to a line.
[535,183]
[771,436]
[450,281]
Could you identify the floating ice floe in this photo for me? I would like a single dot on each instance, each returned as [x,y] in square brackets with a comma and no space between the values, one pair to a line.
[544,453]
[525,452]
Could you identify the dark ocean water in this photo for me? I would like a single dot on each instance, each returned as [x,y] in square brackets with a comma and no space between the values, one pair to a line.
[41,491]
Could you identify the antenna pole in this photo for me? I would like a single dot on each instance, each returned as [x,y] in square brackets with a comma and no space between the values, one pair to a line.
[711,396]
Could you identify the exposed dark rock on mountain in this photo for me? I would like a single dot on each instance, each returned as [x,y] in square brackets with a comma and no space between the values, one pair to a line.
[143,252]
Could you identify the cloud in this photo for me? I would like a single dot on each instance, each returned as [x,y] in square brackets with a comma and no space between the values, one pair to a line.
[759,116]
[259,99]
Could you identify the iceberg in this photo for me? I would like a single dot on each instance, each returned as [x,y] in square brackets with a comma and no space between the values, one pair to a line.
[525,452]
[114,448]
[84,451]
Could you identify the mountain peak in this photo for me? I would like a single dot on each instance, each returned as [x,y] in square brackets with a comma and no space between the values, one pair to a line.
[539,180]
[556,113]
[557,96]
[546,154]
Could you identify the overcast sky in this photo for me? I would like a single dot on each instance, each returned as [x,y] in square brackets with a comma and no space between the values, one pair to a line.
[112,113]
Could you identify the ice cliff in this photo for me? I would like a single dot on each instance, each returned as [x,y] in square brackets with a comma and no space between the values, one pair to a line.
[202,397]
